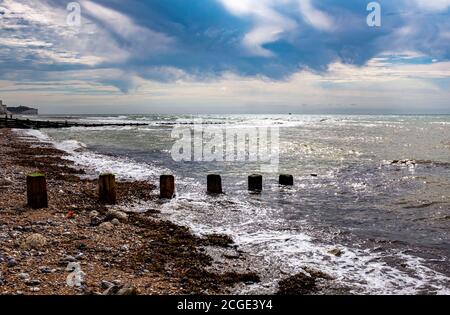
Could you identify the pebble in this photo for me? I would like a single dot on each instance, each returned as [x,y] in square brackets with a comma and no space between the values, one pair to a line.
[115,214]
[66,259]
[111,290]
[118,289]
[106,226]
[127,291]
[32,283]
[93,214]
[115,222]
[35,241]
[336,252]
[47,270]
[106,284]
[24,276]
[95,221]
[12,262]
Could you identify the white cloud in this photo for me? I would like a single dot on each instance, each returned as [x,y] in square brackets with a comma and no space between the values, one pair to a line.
[433,5]
[37,24]
[314,17]
[270,24]
[123,26]
[28,26]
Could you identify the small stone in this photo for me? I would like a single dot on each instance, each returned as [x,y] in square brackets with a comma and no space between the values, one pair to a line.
[46,270]
[96,221]
[115,222]
[93,214]
[35,241]
[111,290]
[24,276]
[115,214]
[66,259]
[106,284]
[12,262]
[336,252]
[35,289]
[32,283]
[127,291]
[106,226]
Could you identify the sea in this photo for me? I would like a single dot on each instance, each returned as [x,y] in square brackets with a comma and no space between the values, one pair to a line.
[370,204]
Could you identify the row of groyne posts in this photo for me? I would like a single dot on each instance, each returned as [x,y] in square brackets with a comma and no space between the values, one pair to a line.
[37,196]
[10,122]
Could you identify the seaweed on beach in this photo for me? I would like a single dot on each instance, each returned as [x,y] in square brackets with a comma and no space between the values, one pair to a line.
[174,249]
[220,240]
[299,284]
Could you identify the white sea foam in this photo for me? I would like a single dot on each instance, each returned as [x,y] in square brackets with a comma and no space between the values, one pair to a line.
[364,271]
[123,168]
[34,134]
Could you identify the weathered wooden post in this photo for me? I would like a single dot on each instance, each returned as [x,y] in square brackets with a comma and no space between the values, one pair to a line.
[255,183]
[214,184]
[37,191]
[107,189]
[167,186]
[286,180]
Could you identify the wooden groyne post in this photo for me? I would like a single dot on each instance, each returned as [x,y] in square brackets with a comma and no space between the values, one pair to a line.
[286,180]
[107,189]
[167,186]
[255,183]
[37,197]
[214,184]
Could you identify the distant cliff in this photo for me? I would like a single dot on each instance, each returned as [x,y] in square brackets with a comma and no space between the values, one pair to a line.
[22,110]
[3,109]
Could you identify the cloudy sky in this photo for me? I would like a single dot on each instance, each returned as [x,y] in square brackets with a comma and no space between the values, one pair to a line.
[226,56]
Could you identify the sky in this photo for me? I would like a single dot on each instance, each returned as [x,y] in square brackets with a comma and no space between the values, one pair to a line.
[225,56]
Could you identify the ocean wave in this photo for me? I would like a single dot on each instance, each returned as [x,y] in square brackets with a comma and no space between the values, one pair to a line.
[253,228]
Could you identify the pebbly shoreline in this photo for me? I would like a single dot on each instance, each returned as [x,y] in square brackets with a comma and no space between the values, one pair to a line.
[115,252]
